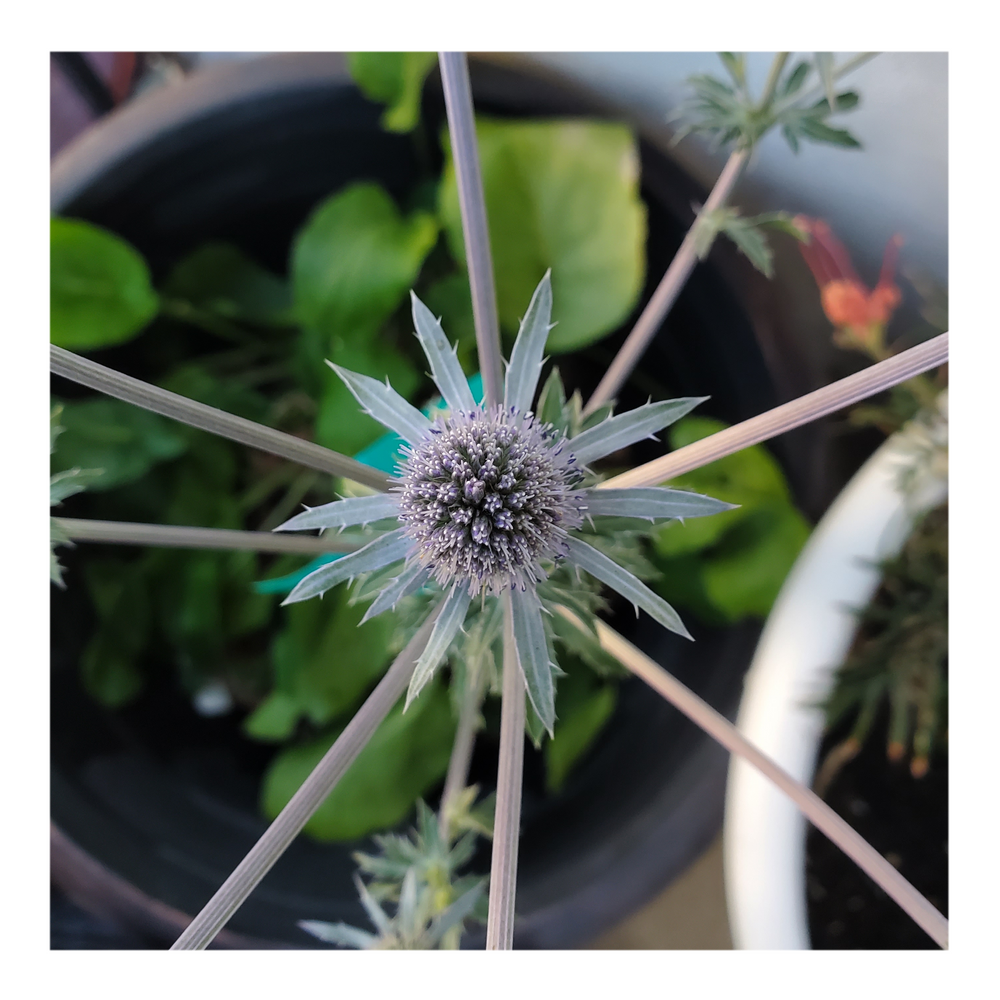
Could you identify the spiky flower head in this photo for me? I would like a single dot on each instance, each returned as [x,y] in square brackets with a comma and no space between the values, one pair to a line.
[488,499]
[488,496]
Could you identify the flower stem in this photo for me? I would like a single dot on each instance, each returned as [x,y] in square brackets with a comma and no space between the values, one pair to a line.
[208,418]
[461,750]
[289,822]
[176,537]
[811,806]
[831,398]
[666,293]
[475,228]
[506,827]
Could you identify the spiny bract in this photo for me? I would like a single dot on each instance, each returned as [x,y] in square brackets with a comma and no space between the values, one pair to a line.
[486,496]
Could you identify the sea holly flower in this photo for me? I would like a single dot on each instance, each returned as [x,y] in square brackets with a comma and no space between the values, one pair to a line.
[859,315]
[490,499]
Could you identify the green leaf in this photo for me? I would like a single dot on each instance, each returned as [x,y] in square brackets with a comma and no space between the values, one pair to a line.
[395,79]
[735,67]
[825,67]
[220,278]
[795,79]
[354,261]
[744,576]
[579,725]
[323,664]
[122,440]
[100,290]
[565,195]
[818,131]
[109,663]
[407,756]
[752,244]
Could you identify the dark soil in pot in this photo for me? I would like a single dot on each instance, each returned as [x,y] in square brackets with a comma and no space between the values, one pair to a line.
[166,800]
[906,820]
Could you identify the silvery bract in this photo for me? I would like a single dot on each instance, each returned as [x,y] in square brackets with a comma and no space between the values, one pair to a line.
[486,497]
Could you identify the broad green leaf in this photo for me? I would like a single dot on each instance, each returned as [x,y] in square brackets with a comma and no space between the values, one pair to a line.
[122,440]
[562,195]
[354,261]
[744,575]
[323,663]
[100,291]
[580,723]
[395,79]
[220,278]
[407,756]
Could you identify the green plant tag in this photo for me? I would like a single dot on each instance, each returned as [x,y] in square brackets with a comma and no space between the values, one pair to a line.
[100,290]
[565,195]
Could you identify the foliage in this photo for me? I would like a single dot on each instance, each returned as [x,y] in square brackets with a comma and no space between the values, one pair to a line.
[900,655]
[562,195]
[731,566]
[745,232]
[100,292]
[395,79]
[726,112]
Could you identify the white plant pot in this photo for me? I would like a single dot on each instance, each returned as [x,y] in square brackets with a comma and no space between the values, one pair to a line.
[807,635]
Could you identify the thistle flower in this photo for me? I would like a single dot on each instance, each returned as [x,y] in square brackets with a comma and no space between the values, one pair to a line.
[489,499]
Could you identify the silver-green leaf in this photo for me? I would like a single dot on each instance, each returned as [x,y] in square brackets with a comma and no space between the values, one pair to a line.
[449,621]
[630,587]
[383,551]
[525,366]
[344,513]
[382,402]
[533,655]
[445,369]
[653,503]
[627,428]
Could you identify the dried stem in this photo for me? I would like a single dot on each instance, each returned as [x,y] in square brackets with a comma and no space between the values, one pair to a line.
[208,418]
[811,806]
[666,292]
[475,228]
[831,398]
[506,827]
[176,537]
[234,891]
[461,750]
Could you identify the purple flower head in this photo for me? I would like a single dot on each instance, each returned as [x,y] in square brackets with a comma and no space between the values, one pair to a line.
[487,497]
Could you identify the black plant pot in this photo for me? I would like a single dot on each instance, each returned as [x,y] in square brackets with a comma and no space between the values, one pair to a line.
[153,806]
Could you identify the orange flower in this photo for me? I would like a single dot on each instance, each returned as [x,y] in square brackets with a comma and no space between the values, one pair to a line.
[859,315]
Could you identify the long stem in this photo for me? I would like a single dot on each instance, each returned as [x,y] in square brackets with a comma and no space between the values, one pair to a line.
[683,263]
[479,260]
[208,418]
[461,750]
[289,822]
[811,806]
[177,537]
[831,398]
[506,827]
[666,292]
